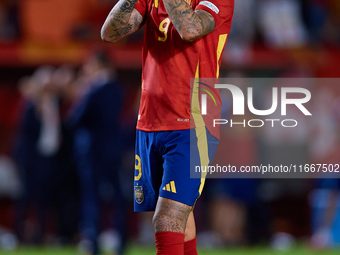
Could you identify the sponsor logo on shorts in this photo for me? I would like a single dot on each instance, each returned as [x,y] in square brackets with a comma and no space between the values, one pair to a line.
[170,187]
[211,6]
[139,195]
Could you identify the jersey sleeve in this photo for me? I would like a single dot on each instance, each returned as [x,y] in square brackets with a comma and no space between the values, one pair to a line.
[221,10]
[142,7]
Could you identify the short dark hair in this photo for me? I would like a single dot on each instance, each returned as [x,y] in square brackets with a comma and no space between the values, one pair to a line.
[102,57]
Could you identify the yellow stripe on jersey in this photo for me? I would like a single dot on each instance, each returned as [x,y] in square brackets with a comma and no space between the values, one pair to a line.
[156,3]
[202,145]
[202,141]
[221,43]
[168,187]
[195,104]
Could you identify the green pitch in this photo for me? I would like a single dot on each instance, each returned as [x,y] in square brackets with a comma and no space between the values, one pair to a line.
[136,250]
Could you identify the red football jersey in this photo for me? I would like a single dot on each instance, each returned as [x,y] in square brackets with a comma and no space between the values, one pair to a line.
[169,63]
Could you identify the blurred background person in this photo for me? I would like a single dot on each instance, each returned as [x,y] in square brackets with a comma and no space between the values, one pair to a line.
[9,20]
[98,149]
[281,23]
[38,142]
[67,192]
[325,147]
[46,166]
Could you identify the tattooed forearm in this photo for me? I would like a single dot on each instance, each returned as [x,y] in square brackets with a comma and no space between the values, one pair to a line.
[122,21]
[118,32]
[190,24]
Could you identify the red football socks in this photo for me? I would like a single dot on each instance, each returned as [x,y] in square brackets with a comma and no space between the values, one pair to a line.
[169,243]
[190,247]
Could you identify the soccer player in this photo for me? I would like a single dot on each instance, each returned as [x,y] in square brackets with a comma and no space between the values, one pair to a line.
[183,39]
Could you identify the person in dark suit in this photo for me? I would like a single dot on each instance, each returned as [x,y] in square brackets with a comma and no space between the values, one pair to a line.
[98,151]
[35,152]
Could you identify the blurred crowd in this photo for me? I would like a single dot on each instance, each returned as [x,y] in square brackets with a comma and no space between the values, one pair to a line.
[275,23]
[70,176]
[286,23]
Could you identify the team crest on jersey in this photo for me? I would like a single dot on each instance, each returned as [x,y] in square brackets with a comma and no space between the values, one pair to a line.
[139,195]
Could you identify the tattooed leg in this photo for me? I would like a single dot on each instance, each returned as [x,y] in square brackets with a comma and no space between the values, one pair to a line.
[190,229]
[170,216]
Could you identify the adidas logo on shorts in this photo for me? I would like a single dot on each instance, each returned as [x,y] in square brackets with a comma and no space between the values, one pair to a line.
[170,187]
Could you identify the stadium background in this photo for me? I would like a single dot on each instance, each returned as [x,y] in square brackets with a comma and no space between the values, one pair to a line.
[269,38]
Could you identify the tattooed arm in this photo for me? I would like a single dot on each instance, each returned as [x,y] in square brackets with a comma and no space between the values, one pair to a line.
[122,21]
[190,24]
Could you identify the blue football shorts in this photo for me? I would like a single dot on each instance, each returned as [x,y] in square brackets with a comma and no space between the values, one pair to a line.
[162,165]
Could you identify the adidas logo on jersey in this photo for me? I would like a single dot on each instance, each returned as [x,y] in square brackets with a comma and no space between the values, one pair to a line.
[170,187]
